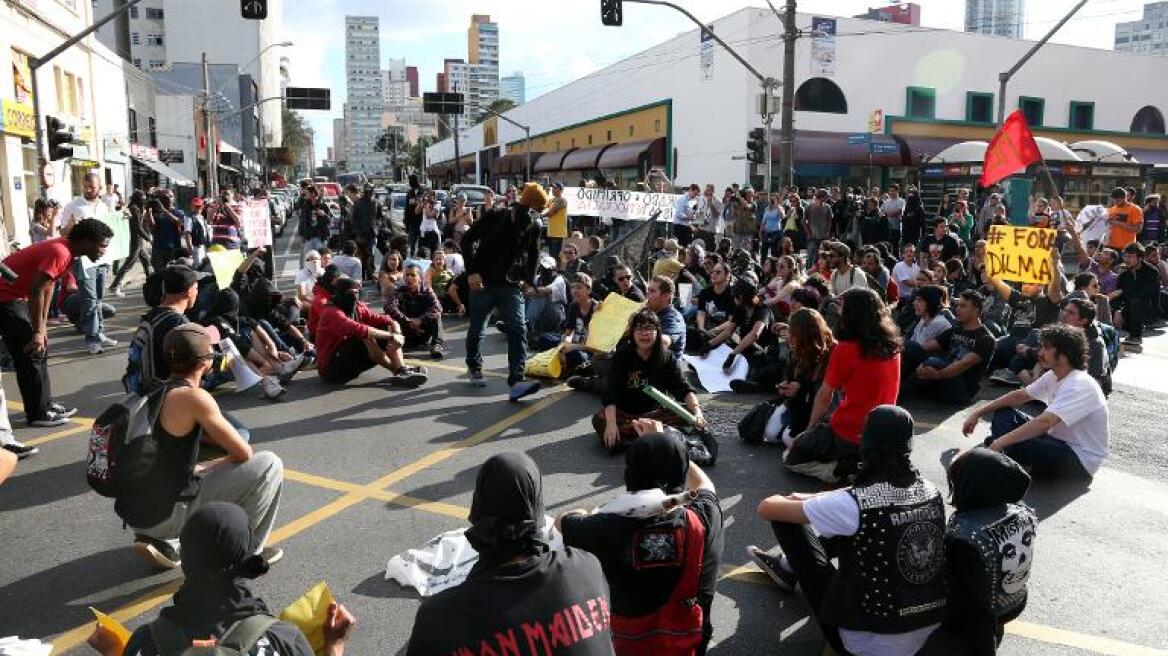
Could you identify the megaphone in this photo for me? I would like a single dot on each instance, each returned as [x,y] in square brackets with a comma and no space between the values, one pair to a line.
[245,377]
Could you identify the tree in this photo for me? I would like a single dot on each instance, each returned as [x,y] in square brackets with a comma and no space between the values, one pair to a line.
[295,138]
[418,152]
[498,106]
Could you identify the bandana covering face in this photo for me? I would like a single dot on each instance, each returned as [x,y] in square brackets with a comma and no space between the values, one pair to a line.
[506,511]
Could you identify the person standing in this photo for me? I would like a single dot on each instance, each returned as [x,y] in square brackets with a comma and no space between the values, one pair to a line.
[366,219]
[501,251]
[24,312]
[893,210]
[685,212]
[166,230]
[771,230]
[314,220]
[139,240]
[817,222]
[412,215]
[90,276]
[557,220]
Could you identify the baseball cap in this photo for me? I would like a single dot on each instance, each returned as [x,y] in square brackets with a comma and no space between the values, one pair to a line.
[186,343]
[558,185]
[177,279]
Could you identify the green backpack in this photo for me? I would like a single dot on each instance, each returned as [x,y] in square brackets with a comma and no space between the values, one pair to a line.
[238,640]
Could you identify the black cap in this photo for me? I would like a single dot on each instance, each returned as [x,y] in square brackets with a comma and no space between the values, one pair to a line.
[178,279]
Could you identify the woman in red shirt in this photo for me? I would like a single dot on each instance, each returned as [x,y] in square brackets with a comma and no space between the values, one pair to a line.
[351,338]
[865,368]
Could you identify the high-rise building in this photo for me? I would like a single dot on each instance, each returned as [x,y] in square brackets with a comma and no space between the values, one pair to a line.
[1148,35]
[996,17]
[412,78]
[513,88]
[482,64]
[339,146]
[908,13]
[363,93]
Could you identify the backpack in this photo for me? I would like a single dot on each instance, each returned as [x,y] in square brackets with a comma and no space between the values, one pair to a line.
[675,629]
[753,424]
[1114,346]
[140,377]
[238,640]
[122,422]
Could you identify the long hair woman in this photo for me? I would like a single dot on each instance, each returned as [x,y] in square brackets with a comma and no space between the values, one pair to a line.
[811,344]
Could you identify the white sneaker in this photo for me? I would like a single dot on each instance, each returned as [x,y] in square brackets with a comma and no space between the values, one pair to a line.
[107,342]
[270,388]
[95,348]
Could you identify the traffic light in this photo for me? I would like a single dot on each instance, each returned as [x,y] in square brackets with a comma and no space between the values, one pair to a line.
[254,9]
[611,13]
[61,139]
[756,145]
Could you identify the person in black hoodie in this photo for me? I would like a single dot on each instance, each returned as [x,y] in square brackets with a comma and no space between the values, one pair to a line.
[912,222]
[989,546]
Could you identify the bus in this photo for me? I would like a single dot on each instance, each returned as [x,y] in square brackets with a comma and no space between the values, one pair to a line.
[346,179]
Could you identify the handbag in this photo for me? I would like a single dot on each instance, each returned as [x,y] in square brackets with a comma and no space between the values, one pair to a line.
[701,445]
[752,426]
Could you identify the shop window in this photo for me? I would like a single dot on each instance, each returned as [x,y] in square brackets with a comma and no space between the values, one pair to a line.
[979,107]
[657,126]
[820,95]
[1082,116]
[132,122]
[1032,109]
[1148,120]
[630,130]
[609,137]
[920,102]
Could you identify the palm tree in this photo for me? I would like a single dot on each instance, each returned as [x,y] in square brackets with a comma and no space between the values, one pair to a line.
[498,106]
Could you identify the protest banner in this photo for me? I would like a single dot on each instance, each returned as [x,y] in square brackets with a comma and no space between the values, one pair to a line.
[119,245]
[1020,254]
[619,204]
[224,264]
[609,322]
[257,223]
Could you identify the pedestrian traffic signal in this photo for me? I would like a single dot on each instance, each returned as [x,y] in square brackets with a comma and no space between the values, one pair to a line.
[611,13]
[756,145]
[254,9]
[61,139]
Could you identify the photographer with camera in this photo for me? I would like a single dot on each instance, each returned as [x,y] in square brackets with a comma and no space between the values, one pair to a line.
[685,213]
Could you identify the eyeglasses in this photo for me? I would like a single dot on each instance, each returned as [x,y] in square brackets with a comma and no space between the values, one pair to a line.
[645,328]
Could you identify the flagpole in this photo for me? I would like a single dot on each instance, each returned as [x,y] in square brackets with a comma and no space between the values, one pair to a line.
[1050,178]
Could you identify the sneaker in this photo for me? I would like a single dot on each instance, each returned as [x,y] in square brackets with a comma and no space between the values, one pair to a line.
[408,378]
[62,410]
[51,418]
[772,566]
[1133,344]
[118,291]
[476,378]
[272,555]
[1006,377]
[270,388]
[288,369]
[21,451]
[523,389]
[95,348]
[157,552]
[582,383]
[745,387]
[107,342]
[438,351]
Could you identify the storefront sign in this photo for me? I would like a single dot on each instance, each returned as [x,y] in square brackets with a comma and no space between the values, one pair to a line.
[171,156]
[955,169]
[114,149]
[617,204]
[148,153]
[876,121]
[1074,169]
[933,171]
[19,121]
[1116,171]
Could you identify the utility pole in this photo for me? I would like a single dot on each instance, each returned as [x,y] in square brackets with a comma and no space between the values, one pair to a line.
[787,137]
[457,155]
[212,187]
[526,135]
[1004,78]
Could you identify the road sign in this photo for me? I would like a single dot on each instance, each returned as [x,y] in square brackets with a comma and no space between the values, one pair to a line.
[308,98]
[440,102]
[857,139]
[885,148]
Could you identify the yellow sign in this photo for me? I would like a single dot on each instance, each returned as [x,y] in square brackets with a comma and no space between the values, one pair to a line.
[19,119]
[224,264]
[608,324]
[310,613]
[545,364]
[1020,254]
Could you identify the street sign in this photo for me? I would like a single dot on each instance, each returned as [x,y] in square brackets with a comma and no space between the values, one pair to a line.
[885,148]
[857,139]
[308,98]
[441,102]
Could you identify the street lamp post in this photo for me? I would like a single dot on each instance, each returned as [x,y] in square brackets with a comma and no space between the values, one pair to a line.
[1004,78]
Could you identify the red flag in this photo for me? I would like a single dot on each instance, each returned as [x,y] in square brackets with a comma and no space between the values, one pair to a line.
[1012,148]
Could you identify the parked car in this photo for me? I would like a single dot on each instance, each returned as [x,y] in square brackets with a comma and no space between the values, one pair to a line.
[397,209]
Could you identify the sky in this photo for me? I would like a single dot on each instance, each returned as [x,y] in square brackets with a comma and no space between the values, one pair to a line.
[556,41]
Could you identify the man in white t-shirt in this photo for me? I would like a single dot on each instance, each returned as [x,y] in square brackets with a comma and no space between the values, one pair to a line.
[893,210]
[91,280]
[887,531]
[905,272]
[87,206]
[1070,438]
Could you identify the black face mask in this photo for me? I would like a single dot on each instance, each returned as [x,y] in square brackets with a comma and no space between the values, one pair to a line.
[347,302]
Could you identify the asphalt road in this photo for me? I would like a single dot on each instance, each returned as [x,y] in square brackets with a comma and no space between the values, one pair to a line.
[373,471]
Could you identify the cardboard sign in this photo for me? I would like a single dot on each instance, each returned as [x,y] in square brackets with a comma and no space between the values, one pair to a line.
[619,204]
[119,245]
[257,224]
[609,322]
[224,264]
[1020,254]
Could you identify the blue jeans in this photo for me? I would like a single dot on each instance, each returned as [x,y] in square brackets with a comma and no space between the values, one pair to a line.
[91,288]
[508,300]
[1046,456]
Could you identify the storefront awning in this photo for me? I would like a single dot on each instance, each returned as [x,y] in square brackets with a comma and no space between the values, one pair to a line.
[1144,156]
[628,155]
[551,162]
[815,147]
[584,159]
[225,147]
[229,169]
[514,163]
[166,172]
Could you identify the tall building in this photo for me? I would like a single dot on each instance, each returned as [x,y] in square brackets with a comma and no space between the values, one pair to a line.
[412,78]
[339,147]
[363,93]
[1148,35]
[395,88]
[908,13]
[513,88]
[482,64]
[996,17]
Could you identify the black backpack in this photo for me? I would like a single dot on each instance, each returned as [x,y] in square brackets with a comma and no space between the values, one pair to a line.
[238,640]
[140,377]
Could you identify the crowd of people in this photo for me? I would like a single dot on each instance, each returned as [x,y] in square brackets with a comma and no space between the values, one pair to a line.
[845,305]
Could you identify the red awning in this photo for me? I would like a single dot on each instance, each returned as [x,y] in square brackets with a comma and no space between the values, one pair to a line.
[628,155]
[584,159]
[550,162]
[814,147]
[514,163]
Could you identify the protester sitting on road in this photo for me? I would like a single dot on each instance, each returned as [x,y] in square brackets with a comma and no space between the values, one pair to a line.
[1032,307]
[927,303]
[989,548]
[660,545]
[747,329]
[865,366]
[163,498]
[887,531]
[347,260]
[574,354]
[390,275]
[714,303]
[439,275]
[960,357]
[1137,295]
[777,292]
[641,358]
[322,294]
[147,365]
[279,319]
[1070,438]
[418,313]
[622,275]
[518,584]
[545,305]
[314,264]
[215,598]
[253,344]
[351,339]
[1080,313]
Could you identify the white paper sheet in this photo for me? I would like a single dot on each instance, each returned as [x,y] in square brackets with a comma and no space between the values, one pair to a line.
[709,369]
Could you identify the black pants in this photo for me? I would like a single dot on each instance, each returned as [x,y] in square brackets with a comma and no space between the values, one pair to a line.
[810,558]
[32,371]
[1136,313]
[350,360]
[161,257]
[413,234]
[137,254]
[429,334]
[365,254]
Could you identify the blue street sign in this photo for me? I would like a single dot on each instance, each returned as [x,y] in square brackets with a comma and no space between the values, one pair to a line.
[884,148]
[857,139]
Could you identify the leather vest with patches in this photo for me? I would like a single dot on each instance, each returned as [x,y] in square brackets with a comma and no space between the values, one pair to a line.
[1004,538]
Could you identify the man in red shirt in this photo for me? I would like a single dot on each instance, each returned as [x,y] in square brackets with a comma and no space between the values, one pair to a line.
[350,339]
[865,367]
[24,312]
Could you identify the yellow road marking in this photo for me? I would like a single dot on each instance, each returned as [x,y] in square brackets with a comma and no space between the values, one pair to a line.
[430,364]
[82,426]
